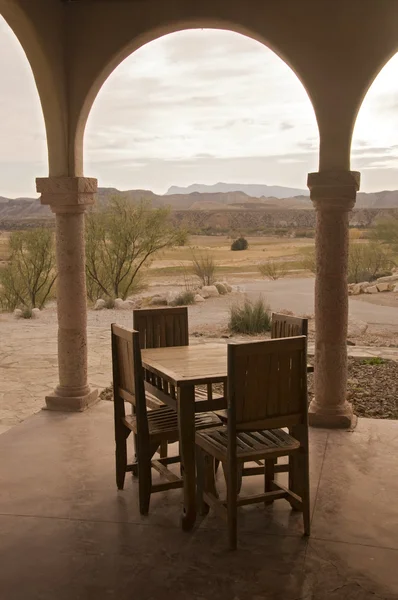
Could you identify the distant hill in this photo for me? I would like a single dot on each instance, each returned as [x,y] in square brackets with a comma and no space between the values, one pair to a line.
[31,209]
[251,189]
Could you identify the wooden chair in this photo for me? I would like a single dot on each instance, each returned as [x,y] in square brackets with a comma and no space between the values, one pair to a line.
[283,326]
[151,428]
[166,327]
[267,391]
[160,328]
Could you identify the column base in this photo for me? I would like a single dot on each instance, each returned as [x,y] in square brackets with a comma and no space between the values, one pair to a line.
[335,417]
[73,403]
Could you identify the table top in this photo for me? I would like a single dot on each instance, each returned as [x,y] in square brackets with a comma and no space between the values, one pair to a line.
[188,365]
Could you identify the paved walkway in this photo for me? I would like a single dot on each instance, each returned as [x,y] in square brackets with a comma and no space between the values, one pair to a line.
[66,533]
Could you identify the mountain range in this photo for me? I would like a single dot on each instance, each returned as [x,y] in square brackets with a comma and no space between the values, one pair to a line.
[207,199]
[251,189]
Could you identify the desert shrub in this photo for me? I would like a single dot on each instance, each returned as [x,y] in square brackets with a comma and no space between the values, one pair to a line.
[367,262]
[374,361]
[204,267]
[184,298]
[120,242]
[386,232]
[273,269]
[308,260]
[240,244]
[28,278]
[27,313]
[250,317]
[304,233]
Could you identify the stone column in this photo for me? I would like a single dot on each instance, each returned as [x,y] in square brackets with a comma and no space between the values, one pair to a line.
[333,194]
[68,198]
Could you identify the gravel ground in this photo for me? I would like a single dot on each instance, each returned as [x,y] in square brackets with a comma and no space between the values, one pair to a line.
[372,388]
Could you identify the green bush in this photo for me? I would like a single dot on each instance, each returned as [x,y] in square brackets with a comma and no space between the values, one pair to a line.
[250,317]
[121,240]
[374,361]
[240,244]
[28,278]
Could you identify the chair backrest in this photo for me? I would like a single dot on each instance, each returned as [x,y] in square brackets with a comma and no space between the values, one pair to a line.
[162,327]
[267,383]
[283,326]
[128,381]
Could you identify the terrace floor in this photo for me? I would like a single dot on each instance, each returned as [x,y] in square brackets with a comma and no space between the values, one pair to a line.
[66,533]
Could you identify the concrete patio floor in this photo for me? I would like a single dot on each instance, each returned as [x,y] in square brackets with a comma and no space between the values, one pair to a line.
[66,533]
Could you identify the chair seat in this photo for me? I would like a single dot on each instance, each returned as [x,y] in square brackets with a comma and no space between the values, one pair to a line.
[250,444]
[164,422]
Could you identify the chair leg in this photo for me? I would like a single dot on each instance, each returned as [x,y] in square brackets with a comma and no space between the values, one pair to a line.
[203,508]
[144,479]
[232,493]
[269,476]
[239,476]
[121,435]
[163,449]
[305,496]
[134,470]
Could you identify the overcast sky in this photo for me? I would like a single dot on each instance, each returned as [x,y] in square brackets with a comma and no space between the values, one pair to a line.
[194,107]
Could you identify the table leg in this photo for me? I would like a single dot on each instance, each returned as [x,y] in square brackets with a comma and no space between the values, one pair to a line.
[186,425]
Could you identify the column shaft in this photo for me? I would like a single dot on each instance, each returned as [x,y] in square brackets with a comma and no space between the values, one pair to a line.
[68,198]
[334,196]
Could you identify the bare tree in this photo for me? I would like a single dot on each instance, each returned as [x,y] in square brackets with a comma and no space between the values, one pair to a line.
[204,267]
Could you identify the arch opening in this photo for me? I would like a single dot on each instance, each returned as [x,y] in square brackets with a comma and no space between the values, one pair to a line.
[374,148]
[23,145]
[208,105]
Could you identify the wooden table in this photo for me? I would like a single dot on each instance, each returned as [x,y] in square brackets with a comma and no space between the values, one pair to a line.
[179,370]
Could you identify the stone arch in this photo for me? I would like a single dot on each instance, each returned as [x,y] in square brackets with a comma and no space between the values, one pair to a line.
[45,57]
[81,115]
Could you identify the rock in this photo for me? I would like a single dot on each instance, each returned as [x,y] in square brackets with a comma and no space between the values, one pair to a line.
[383,287]
[356,328]
[229,287]
[17,313]
[100,304]
[356,289]
[396,288]
[372,289]
[387,279]
[122,304]
[158,301]
[211,290]
[350,343]
[364,285]
[36,312]
[198,298]
[222,290]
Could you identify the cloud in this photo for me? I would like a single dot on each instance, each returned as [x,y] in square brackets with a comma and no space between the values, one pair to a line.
[285,126]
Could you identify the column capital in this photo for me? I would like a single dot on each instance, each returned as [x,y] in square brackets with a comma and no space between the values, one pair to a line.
[334,190]
[67,194]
